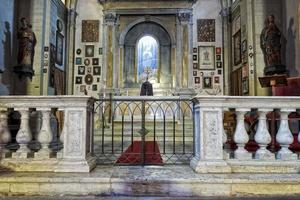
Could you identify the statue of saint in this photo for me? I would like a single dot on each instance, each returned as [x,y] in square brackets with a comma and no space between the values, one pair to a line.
[27,42]
[271,47]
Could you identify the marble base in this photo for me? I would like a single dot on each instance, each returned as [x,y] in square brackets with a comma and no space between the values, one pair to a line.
[242,155]
[264,155]
[211,166]
[22,155]
[73,165]
[29,165]
[286,156]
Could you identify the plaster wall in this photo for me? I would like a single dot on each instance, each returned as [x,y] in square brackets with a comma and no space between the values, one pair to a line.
[88,10]
[208,9]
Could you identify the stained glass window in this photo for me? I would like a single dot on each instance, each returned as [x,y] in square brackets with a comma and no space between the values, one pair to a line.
[147,55]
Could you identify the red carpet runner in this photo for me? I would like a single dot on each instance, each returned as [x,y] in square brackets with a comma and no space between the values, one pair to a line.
[132,155]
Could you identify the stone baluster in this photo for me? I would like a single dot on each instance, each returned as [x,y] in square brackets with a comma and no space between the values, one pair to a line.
[262,136]
[285,137]
[45,135]
[5,136]
[241,136]
[24,135]
[62,134]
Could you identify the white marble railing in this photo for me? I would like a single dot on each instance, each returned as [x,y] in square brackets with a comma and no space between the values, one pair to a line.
[76,136]
[210,155]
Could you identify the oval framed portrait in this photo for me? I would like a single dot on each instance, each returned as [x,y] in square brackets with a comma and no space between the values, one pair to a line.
[88,79]
[87,62]
[78,51]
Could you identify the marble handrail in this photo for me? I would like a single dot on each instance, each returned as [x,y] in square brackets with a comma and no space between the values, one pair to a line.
[77,133]
[209,135]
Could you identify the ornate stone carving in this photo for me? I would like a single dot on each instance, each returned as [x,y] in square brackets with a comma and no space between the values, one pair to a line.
[110,18]
[74,146]
[185,17]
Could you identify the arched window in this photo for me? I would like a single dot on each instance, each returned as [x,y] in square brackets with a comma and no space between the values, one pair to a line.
[147,58]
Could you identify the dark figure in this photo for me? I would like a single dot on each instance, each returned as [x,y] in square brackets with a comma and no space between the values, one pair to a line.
[271,47]
[27,42]
[146,89]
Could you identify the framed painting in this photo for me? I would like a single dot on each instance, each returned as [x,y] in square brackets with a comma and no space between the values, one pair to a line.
[59,49]
[197,80]
[81,70]
[237,53]
[89,50]
[195,65]
[97,70]
[78,61]
[206,57]
[90,30]
[207,84]
[206,30]
[194,73]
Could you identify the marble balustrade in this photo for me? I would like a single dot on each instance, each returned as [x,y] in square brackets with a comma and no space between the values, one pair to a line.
[76,135]
[210,138]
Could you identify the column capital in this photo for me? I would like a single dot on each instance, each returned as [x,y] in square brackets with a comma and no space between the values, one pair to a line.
[110,18]
[185,17]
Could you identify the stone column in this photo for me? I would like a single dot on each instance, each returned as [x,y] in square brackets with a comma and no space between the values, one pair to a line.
[110,20]
[71,33]
[209,155]
[185,21]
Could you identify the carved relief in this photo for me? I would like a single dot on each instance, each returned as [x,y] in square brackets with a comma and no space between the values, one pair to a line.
[74,147]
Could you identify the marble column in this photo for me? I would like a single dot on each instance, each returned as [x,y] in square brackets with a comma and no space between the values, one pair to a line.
[110,20]
[5,136]
[185,20]
[71,33]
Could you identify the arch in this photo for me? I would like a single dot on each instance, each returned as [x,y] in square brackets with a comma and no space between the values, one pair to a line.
[130,76]
[142,20]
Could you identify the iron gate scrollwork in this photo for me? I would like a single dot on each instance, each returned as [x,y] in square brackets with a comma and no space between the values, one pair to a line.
[144,130]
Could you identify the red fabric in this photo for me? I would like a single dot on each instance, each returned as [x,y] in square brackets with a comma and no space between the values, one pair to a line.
[132,155]
[292,89]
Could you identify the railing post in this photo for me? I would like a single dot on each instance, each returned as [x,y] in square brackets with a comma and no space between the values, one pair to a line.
[209,155]
[45,135]
[77,143]
[262,136]
[5,136]
[285,137]
[24,135]
[241,136]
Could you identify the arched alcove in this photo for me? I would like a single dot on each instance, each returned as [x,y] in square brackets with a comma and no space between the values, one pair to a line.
[131,70]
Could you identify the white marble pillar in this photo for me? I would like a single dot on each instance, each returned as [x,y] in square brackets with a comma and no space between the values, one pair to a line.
[209,155]
[45,135]
[262,136]
[24,135]
[5,136]
[284,136]
[241,136]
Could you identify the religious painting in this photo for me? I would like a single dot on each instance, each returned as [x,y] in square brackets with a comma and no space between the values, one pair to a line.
[206,57]
[88,79]
[219,72]
[219,64]
[219,57]
[87,62]
[81,70]
[78,61]
[82,88]
[195,50]
[218,50]
[217,80]
[89,50]
[194,73]
[78,80]
[197,80]
[97,71]
[245,85]
[237,59]
[207,84]
[94,87]
[195,58]
[95,61]
[90,31]
[59,48]
[89,70]
[147,58]
[195,65]
[206,31]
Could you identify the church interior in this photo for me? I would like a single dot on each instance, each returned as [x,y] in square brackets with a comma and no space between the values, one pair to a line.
[204,90]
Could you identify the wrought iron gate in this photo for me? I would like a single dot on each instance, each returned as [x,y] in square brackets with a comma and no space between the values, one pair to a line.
[144,130]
